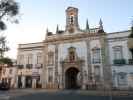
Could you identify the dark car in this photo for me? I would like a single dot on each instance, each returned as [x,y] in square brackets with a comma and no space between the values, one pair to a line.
[4,86]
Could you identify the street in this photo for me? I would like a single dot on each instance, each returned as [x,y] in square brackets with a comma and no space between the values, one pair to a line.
[56,95]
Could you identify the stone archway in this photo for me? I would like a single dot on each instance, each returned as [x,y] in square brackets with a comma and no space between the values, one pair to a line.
[71,78]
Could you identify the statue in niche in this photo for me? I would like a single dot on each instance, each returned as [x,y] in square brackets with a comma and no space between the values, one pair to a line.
[72,56]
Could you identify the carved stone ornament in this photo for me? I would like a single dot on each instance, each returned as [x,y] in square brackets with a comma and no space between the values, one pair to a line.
[71,30]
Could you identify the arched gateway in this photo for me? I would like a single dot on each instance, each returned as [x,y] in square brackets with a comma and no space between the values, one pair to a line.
[71,78]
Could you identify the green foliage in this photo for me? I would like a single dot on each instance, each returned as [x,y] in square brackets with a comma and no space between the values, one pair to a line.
[7,61]
[3,46]
[8,10]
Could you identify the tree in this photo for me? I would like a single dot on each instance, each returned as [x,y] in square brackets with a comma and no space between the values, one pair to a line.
[3,46]
[7,61]
[8,10]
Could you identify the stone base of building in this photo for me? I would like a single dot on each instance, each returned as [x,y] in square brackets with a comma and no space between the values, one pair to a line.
[52,86]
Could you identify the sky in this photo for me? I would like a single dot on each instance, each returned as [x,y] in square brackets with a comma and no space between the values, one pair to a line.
[37,15]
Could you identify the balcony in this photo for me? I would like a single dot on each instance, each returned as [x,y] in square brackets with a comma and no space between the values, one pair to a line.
[29,66]
[119,61]
[20,66]
[130,61]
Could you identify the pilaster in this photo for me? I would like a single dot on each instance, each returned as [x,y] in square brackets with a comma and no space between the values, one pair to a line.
[107,73]
[56,67]
[89,59]
[23,81]
[44,69]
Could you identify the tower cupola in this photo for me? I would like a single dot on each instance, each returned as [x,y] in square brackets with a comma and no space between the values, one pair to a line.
[72,19]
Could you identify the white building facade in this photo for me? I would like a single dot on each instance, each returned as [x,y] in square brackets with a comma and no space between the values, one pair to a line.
[75,58]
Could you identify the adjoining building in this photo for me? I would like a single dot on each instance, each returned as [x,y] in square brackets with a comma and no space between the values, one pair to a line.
[9,74]
[75,58]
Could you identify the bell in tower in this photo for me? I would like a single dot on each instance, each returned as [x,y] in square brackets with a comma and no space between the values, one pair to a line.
[71,19]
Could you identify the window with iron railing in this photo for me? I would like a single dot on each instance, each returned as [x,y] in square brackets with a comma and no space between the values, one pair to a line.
[118,55]
[20,66]
[29,66]
[119,61]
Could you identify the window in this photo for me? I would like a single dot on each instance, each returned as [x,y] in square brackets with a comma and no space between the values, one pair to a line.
[29,59]
[122,78]
[96,55]
[39,58]
[50,58]
[50,74]
[97,72]
[20,59]
[117,52]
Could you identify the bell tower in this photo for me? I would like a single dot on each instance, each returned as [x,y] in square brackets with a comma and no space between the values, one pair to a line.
[71,19]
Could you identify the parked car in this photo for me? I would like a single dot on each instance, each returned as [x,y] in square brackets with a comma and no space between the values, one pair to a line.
[4,86]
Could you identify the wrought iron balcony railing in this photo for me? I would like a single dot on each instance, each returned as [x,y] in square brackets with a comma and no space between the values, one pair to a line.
[130,61]
[20,66]
[119,61]
[29,66]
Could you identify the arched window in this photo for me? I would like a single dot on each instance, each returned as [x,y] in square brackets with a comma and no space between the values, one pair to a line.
[71,19]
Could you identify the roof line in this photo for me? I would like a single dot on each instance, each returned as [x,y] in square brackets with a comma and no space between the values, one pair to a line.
[30,43]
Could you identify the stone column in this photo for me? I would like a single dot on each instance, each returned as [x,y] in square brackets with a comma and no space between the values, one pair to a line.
[16,82]
[83,86]
[84,80]
[114,81]
[44,69]
[62,76]
[89,74]
[23,81]
[107,71]
[56,66]
[33,83]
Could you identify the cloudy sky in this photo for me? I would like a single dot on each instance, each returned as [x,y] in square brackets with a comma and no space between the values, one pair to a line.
[36,15]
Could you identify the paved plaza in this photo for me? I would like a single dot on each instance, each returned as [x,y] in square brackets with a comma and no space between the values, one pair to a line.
[41,94]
